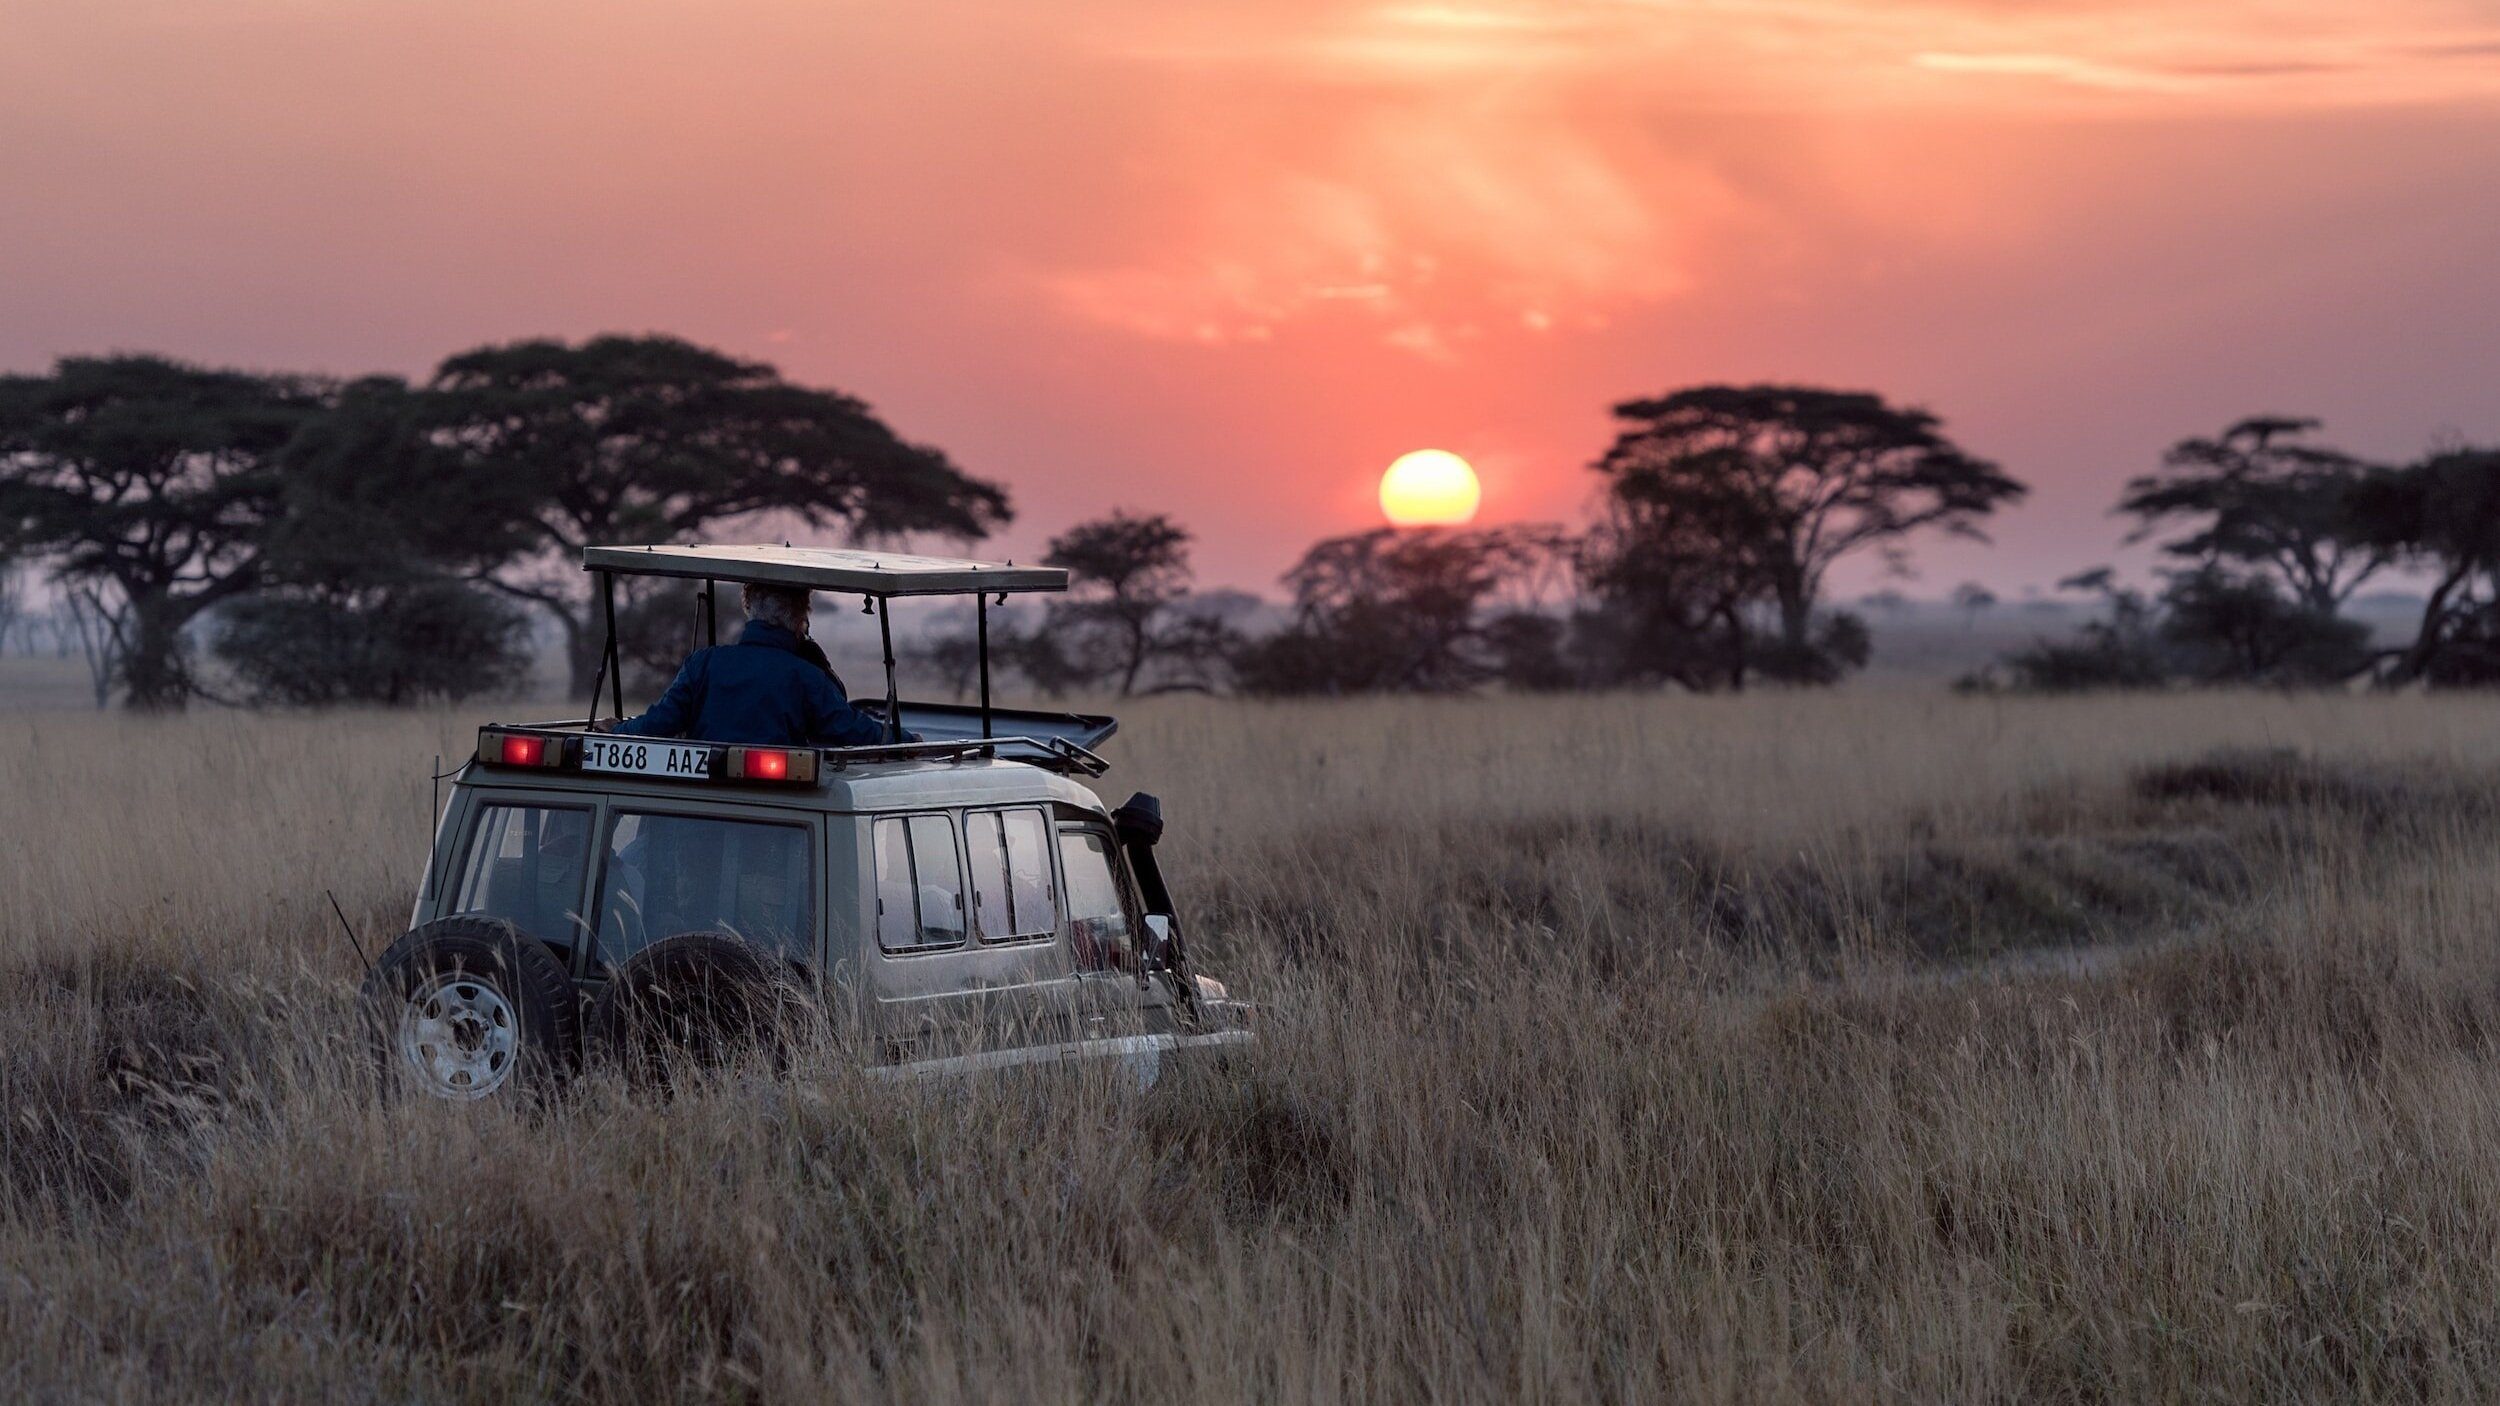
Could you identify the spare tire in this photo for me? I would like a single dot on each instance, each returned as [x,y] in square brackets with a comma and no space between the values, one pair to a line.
[466,1008]
[704,999]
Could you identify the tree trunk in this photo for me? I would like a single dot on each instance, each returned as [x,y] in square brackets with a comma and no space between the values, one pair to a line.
[1796,613]
[154,676]
[583,648]
[2417,660]
[1136,659]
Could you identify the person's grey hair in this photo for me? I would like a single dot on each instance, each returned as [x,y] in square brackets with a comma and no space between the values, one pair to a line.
[785,606]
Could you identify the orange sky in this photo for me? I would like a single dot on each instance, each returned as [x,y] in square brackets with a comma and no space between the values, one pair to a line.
[1227,260]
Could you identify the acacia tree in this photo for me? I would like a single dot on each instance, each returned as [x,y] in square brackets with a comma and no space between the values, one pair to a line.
[1822,473]
[1393,610]
[2260,497]
[148,484]
[1672,565]
[2443,515]
[653,439]
[365,595]
[1126,573]
[1973,600]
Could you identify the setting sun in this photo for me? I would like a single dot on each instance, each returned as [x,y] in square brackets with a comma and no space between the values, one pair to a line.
[1430,488]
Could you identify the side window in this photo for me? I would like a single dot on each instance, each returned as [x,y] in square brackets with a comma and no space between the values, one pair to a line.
[898,915]
[525,866]
[1010,868]
[669,874]
[941,878]
[1097,923]
[920,883]
[1028,870]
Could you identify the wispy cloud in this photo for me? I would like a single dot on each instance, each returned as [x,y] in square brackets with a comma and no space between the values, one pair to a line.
[1468,164]
[2065,68]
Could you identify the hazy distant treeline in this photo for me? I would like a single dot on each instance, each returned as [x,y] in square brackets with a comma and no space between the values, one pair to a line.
[379,540]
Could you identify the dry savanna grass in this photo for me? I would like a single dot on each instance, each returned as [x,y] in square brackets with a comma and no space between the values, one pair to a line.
[1855,1046]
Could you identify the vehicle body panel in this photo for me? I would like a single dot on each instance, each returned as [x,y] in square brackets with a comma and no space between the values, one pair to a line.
[1021,999]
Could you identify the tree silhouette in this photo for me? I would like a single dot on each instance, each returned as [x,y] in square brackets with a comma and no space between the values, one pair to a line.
[654,439]
[2260,497]
[1125,574]
[2443,515]
[1822,473]
[1973,600]
[1672,566]
[149,485]
[1393,610]
[362,597]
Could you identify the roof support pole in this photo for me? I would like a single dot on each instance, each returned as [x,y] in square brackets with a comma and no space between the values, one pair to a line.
[893,700]
[599,680]
[711,613]
[981,613]
[614,664]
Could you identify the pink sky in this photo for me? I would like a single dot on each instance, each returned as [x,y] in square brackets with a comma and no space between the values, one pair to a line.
[1226,260]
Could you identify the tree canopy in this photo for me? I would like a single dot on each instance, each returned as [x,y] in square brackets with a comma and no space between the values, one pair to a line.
[2262,497]
[628,439]
[2442,515]
[1797,478]
[150,486]
[363,595]
[1126,572]
[1393,609]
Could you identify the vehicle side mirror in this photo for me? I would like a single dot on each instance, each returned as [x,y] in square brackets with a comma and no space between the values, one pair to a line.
[1159,937]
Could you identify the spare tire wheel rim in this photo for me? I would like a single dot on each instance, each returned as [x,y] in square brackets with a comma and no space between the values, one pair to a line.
[460,1036]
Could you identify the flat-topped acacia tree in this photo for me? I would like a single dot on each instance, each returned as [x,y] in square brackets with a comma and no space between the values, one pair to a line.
[148,486]
[1819,474]
[653,439]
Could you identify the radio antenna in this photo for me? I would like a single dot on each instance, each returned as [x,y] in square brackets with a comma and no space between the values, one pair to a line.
[350,929]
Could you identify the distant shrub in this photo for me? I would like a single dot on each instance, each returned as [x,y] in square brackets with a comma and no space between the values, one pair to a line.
[420,642]
[2100,659]
[2227,628]
[1838,646]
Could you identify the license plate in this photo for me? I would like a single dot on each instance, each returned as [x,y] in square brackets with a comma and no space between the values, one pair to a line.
[638,758]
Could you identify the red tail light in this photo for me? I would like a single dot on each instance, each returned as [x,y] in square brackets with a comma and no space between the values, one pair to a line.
[769,764]
[524,751]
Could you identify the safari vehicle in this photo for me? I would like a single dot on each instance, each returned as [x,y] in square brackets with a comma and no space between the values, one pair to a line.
[958,902]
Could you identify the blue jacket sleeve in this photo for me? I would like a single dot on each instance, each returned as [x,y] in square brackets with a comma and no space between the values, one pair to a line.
[676,708]
[839,724]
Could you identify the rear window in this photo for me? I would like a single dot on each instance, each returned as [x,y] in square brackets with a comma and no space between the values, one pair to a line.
[671,874]
[525,866]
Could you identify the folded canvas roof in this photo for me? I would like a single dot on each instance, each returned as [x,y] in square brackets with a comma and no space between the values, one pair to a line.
[828,569]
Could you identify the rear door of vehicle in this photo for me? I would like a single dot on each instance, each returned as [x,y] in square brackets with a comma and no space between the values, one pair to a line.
[666,869]
[523,857]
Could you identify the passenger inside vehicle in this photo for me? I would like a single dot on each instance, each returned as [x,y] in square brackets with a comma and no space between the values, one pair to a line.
[671,874]
[772,688]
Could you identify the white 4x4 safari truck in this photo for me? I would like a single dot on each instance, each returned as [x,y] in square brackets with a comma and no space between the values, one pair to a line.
[955,903]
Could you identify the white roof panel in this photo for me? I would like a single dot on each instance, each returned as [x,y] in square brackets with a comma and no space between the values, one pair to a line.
[827,569]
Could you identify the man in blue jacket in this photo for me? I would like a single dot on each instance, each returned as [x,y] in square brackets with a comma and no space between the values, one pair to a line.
[771,688]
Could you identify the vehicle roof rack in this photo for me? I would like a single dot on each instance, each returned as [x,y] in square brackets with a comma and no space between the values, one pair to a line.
[1058,753]
[828,569]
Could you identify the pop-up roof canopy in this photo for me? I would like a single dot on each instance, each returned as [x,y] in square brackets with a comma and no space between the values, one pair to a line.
[880,576]
[828,569]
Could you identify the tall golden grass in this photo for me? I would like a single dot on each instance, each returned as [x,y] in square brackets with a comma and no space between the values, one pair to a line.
[1834,1047]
